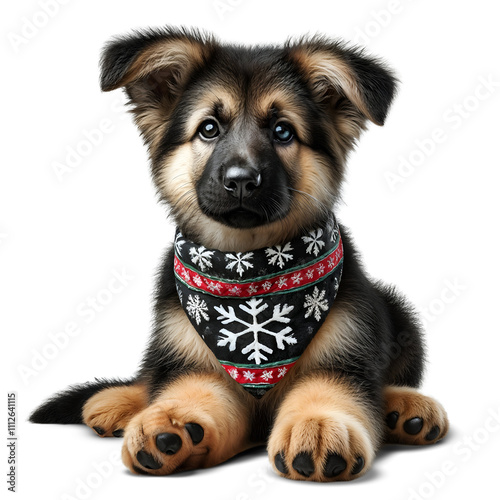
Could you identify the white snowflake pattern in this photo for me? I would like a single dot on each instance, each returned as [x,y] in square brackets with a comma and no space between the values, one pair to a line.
[235,290]
[255,349]
[185,275]
[315,303]
[249,375]
[233,372]
[310,274]
[282,371]
[241,261]
[315,241]
[267,285]
[266,375]
[252,289]
[277,255]
[335,234]
[282,282]
[331,262]
[178,243]
[336,284]
[321,269]
[198,281]
[214,286]
[202,257]
[197,309]
[297,278]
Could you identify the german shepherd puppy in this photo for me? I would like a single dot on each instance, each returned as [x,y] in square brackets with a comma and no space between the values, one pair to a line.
[248,149]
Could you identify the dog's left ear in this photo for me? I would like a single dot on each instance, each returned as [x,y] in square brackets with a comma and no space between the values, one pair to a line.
[334,70]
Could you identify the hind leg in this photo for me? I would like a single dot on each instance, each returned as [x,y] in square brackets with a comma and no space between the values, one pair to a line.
[413,418]
[109,411]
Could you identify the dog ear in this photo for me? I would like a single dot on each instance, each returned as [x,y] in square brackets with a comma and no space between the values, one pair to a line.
[334,70]
[154,67]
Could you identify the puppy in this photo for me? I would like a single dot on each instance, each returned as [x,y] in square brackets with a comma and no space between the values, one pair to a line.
[268,330]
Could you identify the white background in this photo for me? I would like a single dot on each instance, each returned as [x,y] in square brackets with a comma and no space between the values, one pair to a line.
[435,234]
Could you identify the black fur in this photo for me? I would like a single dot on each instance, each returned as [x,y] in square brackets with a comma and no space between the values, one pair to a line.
[66,407]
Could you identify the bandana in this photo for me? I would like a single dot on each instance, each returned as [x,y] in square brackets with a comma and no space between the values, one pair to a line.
[257,311]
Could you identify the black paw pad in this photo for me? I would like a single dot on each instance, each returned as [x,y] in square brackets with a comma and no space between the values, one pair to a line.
[118,433]
[147,460]
[392,419]
[195,431]
[99,430]
[303,463]
[433,433]
[413,426]
[358,466]
[279,462]
[334,465]
[168,443]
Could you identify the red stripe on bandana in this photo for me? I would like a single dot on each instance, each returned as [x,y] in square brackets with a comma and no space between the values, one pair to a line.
[278,283]
[258,376]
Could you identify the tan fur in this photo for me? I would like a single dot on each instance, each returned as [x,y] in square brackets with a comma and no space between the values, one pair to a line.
[409,403]
[111,409]
[207,399]
[175,54]
[325,70]
[322,414]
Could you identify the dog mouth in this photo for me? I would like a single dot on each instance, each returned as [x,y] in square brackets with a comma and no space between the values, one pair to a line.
[247,214]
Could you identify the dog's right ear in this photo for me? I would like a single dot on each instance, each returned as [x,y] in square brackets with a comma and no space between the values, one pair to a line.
[154,67]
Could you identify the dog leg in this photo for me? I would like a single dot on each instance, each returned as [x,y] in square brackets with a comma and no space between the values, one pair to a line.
[109,411]
[413,418]
[323,432]
[198,421]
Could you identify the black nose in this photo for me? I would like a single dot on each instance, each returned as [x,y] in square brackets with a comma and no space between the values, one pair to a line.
[240,181]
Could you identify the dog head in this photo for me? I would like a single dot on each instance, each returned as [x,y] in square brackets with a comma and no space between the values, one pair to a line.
[248,145]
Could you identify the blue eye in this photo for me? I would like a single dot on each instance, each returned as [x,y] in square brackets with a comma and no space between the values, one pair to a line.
[209,129]
[282,132]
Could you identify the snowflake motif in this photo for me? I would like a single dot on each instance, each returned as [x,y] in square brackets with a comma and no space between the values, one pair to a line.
[282,282]
[315,303]
[178,243]
[197,309]
[277,255]
[256,350]
[267,285]
[252,289]
[315,241]
[240,261]
[198,281]
[202,257]
[267,375]
[297,278]
[321,269]
[331,262]
[310,274]
[179,293]
[214,286]
[233,372]
[336,284]
[249,375]
[236,290]
[185,275]
[335,234]
[282,371]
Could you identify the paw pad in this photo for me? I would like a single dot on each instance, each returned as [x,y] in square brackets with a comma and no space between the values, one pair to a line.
[168,443]
[303,463]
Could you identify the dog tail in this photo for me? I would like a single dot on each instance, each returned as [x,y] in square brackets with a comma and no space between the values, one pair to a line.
[66,407]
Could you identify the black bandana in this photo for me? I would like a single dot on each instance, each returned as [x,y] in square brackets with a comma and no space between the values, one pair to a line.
[257,311]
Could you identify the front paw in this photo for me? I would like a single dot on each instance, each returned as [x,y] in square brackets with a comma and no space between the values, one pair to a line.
[167,438]
[326,446]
